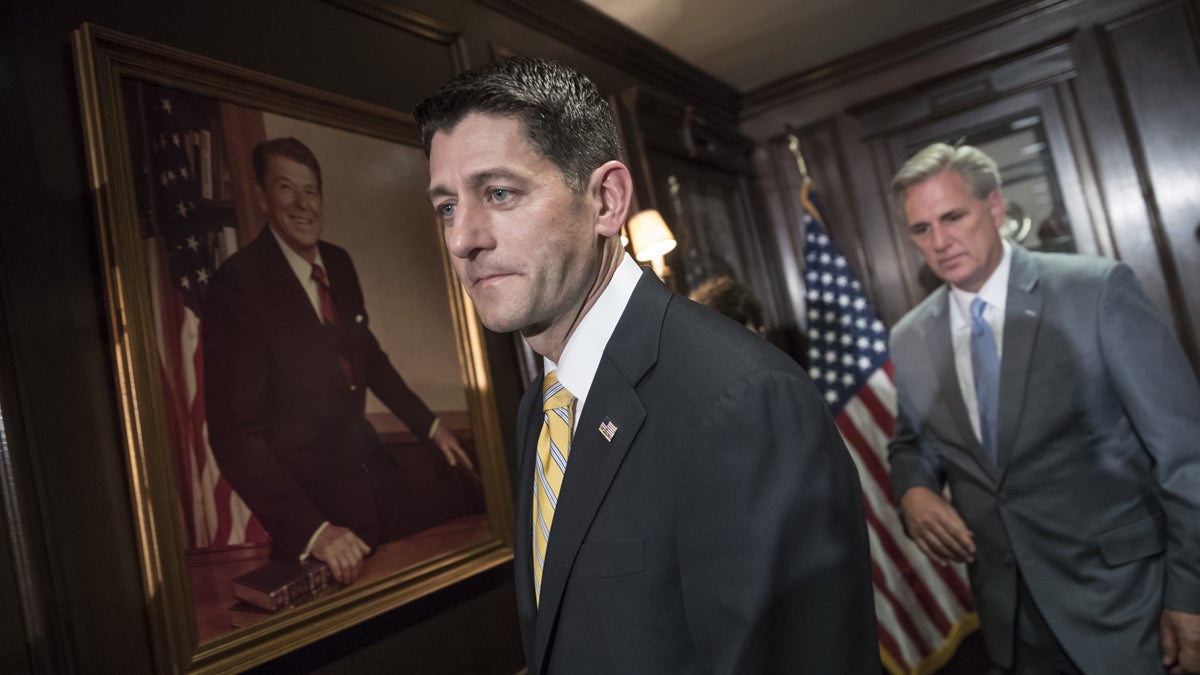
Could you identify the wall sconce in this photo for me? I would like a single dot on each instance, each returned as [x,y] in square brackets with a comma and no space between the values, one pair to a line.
[651,239]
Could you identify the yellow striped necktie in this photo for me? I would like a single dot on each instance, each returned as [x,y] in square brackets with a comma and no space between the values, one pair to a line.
[553,449]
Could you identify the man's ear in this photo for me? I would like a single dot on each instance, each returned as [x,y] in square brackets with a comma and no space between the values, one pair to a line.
[995,204]
[613,188]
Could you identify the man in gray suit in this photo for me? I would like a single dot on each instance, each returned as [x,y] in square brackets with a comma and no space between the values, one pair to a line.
[1063,415]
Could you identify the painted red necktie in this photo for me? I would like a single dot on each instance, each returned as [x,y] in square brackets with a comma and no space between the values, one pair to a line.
[329,315]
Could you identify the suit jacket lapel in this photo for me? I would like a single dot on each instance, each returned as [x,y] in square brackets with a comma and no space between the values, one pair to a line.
[528,427]
[941,350]
[1022,317]
[594,460]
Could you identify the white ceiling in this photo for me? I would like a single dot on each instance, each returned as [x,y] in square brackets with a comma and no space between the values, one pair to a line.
[749,43]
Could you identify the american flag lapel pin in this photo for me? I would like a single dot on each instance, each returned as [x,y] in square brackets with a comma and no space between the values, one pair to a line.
[608,429]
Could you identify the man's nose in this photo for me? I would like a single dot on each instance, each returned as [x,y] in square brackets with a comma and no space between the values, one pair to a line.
[306,201]
[939,237]
[469,232]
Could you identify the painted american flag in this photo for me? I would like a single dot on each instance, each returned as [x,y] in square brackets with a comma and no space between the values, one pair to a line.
[924,610]
[183,256]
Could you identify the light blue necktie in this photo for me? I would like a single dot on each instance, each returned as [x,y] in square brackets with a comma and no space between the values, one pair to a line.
[985,364]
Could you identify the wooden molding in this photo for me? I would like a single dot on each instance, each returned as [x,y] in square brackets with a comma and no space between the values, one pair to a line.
[908,46]
[590,30]
[392,14]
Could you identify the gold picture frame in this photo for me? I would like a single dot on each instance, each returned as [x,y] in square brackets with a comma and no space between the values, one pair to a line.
[117,73]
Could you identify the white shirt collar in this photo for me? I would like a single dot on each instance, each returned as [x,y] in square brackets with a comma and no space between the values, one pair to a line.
[303,270]
[580,359]
[300,266]
[994,292]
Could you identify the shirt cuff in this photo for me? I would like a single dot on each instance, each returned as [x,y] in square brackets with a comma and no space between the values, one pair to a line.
[312,540]
[433,427]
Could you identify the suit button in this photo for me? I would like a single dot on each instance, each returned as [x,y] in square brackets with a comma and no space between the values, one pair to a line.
[354,387]
[1008,560]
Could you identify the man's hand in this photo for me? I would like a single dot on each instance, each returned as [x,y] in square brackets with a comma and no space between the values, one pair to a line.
[448,443]
[936,527]
[342,550]
[1180,641]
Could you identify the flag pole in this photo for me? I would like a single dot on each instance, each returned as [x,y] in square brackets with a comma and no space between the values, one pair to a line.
[923,610]
[794,146]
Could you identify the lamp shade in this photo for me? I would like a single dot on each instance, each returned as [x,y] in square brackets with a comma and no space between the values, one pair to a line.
[650,236]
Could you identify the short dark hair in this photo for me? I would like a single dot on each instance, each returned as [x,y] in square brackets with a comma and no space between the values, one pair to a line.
[731,298]
[290,148]
[565,118]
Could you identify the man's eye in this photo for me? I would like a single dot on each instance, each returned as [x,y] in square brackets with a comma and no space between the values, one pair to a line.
[500,195]
[446,211]
[918,229]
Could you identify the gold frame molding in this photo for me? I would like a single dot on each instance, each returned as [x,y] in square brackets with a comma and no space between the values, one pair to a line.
[103,59]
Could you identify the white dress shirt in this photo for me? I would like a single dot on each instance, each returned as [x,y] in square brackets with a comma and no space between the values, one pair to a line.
[303,270]
[580,359]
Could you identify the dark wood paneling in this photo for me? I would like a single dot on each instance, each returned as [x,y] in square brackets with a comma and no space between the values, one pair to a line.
[904,48]
[966,91]
[1155,57]
[698,174]
[1114,165]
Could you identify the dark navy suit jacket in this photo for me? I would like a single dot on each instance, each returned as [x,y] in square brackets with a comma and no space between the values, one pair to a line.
[721,530]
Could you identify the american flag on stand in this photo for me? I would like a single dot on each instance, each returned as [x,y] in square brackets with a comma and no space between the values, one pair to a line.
[924,610]
[183,257]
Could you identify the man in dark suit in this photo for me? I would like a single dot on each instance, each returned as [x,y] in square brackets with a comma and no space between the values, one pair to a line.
[685,503]
[288,358]
[1063,415]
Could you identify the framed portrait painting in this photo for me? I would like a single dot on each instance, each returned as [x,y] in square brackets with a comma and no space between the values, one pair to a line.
[293,355]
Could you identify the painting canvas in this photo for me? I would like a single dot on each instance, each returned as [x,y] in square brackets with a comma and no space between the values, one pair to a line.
[263,404]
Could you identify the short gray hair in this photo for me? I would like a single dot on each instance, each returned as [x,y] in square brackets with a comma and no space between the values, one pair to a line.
[976,168]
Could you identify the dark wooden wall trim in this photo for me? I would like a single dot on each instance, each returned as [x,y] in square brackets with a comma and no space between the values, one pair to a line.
[590,30]
[392,14]
[1027,68]
[893,51]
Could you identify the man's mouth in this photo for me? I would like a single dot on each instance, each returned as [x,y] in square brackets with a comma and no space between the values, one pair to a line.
[949,261]
[489,279]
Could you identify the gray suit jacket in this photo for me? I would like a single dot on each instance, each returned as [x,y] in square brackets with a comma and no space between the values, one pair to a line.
[1095,495]
[720,530]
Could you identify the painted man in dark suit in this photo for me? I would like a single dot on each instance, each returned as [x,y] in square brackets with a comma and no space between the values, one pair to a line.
[1076,490]
[288,358]
[709,518]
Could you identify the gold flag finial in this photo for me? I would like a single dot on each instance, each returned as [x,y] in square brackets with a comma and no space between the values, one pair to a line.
[794,146]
